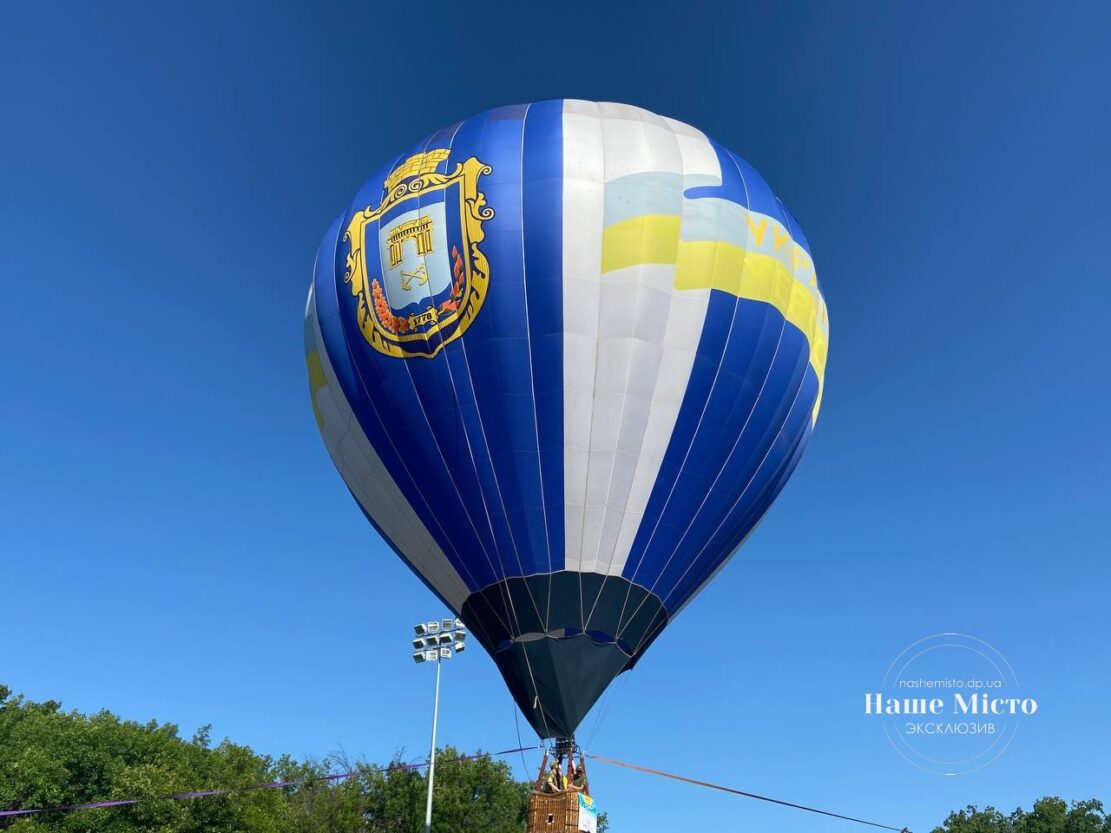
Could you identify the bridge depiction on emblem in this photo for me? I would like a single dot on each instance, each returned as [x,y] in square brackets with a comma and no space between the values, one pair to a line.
[419,229]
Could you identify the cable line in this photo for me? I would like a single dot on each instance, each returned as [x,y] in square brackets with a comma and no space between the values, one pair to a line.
[745,794]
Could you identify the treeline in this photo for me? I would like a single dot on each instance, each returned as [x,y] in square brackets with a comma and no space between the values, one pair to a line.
[54,758]
[1048,815]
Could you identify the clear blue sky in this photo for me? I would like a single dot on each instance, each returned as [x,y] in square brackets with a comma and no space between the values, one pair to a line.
[176,544]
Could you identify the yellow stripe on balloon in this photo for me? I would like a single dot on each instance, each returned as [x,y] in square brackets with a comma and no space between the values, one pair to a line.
[649,238]
[317,381]
[714,264]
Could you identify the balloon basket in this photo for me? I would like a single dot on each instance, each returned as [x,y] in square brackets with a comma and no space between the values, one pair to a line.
[554,812]
[557,808]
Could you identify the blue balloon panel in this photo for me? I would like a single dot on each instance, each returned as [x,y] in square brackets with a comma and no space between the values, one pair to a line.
[565,355]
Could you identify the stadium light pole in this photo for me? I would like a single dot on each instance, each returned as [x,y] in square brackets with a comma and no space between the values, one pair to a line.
[435,641]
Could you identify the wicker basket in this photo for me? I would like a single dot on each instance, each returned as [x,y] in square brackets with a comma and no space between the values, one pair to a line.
[554,812]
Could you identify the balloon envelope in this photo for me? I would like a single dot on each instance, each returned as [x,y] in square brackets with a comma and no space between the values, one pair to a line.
[565,355]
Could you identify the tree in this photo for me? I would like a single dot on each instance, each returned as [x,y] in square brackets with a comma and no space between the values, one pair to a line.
[472,793]
[51,758]
[1048,815]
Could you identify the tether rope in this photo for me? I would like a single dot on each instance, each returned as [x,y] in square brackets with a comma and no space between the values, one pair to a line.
[745,794]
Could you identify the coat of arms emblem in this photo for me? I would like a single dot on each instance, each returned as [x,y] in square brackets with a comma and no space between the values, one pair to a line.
[415,264]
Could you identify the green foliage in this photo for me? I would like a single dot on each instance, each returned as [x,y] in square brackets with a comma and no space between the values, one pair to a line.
[1048,815]
[52,758]
[478,795]
[470,795]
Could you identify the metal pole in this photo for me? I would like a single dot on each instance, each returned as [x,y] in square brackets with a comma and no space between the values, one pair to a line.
[432,753]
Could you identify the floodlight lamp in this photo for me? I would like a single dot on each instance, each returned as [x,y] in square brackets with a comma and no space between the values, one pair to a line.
[418,656]
[418,644]
[420,629]
[445,639]
[431,641]
[447,624]
[460,636]
[459,624]
[460,647]
[445,653]
[433,627]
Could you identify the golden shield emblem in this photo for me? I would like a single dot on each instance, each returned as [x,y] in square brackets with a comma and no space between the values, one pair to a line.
[415,263]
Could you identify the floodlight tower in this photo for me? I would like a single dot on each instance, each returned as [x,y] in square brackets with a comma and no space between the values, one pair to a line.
[435,641]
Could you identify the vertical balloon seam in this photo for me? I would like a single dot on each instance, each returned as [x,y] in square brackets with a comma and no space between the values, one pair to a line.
[346,347]
[656,161]
[678,230]
[674,484]
[756,401]
[638,284]
[540,161]
[496,559]
[507,598]
[462,349]
[502,583]
[641,279]
[668,129]
[416,396]
[787,465]
[763,504]
[494,472]
[593,559]
[363,382]
[357,375]
[601,178]
[497,485]
[590,457]
[579,573]
[566,179]
[594,397]
[746,431]
[447,364]
[532,377]
[694,434]
[568,393]
[598,178]
[353,208]
[503,588]
[755,471]
[681,159]
[757,505]
[524,293]
[717,569]
[329,376]
[459,348]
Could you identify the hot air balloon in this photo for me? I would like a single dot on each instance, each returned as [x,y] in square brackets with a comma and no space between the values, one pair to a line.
[565,355]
